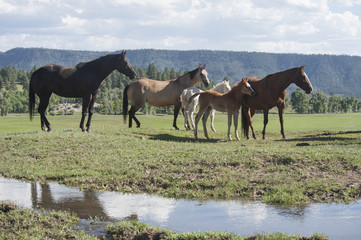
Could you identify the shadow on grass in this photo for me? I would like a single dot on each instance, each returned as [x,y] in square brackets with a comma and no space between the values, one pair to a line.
[168,137]
[327,137]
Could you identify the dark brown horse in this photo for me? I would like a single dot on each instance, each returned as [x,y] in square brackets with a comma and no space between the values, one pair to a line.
[80,81]
[271,92]
[160,93]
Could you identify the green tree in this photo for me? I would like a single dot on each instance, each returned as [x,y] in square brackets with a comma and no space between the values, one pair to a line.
[345,105]
[166,74]
[173,74]
[300,101]
[334,104]
[319,102]
[4,103]
[152,71]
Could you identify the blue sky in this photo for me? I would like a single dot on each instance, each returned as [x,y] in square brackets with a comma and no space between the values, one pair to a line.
[278,26]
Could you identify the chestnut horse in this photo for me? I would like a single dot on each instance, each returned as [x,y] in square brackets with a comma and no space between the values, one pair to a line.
[160,93]
[80,81]
[271,92]
[229,102]
[188,107]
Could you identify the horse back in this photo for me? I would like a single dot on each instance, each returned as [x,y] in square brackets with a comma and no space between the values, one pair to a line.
[218,101]
[63,81]
[156,93]
[267,94]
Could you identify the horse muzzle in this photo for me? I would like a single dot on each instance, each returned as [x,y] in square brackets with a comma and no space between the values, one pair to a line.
[133,75]
[309,90]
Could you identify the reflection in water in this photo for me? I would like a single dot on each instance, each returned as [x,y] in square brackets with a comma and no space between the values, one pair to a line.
[55,196]
[244,218]
[147,207]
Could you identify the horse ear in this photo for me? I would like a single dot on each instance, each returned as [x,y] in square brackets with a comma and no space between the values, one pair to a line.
[303,67]
[204,67]
[200,66]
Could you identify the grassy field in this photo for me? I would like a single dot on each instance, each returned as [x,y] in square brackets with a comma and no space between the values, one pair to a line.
[157,159]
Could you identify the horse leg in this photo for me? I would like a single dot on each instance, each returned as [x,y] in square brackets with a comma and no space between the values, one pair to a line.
[186,123]
[198,117]
[204,121]
[265,121]
[191,116]
[192,109]
[176,111]
[213,112]
[86,101]
[44,102]
[229,126]
[91,107]
[245,120]
[132,112]
[235,122]
[280,114]
[251,113]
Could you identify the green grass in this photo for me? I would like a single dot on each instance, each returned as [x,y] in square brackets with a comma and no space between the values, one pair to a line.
[18,223]
[137,230]
[157,159]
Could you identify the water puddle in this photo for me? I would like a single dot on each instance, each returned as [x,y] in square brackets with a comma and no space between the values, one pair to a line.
[338,221]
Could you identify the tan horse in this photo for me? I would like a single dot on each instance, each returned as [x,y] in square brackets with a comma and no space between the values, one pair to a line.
[229,102]
[160,93]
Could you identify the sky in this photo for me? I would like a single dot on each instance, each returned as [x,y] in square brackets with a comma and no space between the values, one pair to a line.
[276,26]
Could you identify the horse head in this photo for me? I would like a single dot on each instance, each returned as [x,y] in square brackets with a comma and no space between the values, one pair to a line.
[123,66]
[302,80]
[204,75]
[246,88]
[226,85]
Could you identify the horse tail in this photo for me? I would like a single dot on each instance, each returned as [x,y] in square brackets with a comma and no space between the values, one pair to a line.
[31,97]
[245,121]
[125,103]
[193,96]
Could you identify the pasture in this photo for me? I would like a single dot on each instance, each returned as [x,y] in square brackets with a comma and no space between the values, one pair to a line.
[157,159]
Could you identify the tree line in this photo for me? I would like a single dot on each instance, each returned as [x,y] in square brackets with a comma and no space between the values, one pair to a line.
[319,102]
[14,86]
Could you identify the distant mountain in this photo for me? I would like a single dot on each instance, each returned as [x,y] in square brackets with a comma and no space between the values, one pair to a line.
[330,73]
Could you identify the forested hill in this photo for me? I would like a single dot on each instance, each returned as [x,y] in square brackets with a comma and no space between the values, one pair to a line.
[329,73]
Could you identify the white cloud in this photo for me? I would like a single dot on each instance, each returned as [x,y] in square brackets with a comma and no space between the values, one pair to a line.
[6,7]
[347,3]
[259,25]
[146,207]
[346,23]
[304,3]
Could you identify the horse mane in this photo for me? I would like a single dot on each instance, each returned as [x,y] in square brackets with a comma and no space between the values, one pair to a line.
[95,61]
[276,73]
[79,65]
[193,73]
[236,85]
